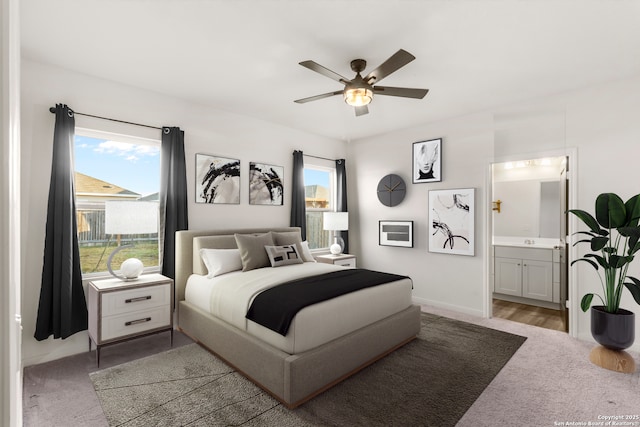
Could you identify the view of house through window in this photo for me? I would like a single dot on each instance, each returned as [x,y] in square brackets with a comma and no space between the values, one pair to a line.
[117,185]
[319,184]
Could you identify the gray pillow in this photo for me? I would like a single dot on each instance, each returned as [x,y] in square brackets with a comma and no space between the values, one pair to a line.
[290,238]
[283,255]
[252,250]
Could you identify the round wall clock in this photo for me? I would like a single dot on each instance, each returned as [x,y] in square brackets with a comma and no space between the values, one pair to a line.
[391,190]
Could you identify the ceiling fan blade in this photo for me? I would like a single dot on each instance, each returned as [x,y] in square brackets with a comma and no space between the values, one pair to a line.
[395,62]
[361,111]
[314,66]
[315,98]
[404,92]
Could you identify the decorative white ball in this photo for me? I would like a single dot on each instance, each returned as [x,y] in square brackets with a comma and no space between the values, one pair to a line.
[335,249]
[131,268]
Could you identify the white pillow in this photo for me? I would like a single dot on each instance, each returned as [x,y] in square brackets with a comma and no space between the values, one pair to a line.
[306,252]
[283,255]
[221,261]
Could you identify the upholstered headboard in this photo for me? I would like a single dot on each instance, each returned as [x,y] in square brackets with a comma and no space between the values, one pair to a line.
[189,243]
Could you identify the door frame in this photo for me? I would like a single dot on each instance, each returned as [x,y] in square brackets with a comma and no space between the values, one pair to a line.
[572,302]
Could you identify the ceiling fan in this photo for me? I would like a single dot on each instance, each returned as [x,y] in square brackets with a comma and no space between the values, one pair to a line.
[359,91]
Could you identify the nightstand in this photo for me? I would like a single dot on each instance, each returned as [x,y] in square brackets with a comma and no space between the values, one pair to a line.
[344,260]
[119,311]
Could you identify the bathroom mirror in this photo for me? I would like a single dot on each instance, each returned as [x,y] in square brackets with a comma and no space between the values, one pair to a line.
[529,192]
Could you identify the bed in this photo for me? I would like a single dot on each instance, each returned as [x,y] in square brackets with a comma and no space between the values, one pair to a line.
[325,343]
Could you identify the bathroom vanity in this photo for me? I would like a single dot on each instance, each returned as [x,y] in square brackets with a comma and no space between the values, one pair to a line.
[529,273]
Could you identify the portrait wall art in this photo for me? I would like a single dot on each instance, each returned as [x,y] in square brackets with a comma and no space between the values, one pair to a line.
[265,184]
[217,180]
[451,221]
[427,161]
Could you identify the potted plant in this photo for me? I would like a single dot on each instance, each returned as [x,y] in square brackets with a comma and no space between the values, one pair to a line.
[614,239]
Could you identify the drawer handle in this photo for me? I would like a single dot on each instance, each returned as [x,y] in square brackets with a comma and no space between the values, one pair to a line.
[127,301]
[135,322]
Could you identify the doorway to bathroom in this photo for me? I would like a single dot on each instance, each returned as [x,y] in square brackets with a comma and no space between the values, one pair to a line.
[529,274]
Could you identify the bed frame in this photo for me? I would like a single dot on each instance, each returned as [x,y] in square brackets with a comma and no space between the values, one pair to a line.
[291,378]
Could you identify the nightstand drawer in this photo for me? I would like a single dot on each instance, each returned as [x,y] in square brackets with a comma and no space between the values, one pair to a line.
[134,323]
[137,299]
[351,262]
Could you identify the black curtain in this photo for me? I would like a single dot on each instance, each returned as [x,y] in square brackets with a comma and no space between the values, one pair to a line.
[298,206]
[62,310]
[173,195]
[341,197]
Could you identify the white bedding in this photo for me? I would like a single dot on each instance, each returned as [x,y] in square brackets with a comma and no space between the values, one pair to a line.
[229,296]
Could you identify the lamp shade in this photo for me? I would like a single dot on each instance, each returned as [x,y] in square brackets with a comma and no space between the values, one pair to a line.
[335,221]
[358,97]
[131,217]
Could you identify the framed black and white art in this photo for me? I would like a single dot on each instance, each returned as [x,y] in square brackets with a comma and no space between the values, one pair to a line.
[427,161]
[451,221]
[217,179]
[265,184]
[395,233]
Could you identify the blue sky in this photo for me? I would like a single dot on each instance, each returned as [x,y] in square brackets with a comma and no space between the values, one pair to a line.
[313,176]
[130,166]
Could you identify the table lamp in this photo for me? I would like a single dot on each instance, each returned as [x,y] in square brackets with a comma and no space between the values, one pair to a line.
[336,221]
[129,217]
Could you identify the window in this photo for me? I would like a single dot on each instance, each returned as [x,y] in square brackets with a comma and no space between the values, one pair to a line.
[319,185]
[112,169]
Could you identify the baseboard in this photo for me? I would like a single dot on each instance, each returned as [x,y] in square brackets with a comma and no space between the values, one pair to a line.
[452,307]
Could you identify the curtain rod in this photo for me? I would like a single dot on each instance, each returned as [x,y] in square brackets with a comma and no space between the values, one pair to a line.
[53,110]
[323,158]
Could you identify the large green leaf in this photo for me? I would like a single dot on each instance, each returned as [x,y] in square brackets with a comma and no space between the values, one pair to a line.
[610,210]
[603,262]
[629,231]
[617,261]
[587,218]
[634,246]
[586,302]
[593,264]
[634,288]
[633,210]
[597,243]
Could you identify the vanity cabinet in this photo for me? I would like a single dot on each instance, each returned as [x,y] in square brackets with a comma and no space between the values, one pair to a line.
[524,272]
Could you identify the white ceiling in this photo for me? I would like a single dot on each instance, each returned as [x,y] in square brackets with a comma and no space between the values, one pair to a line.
[242,56]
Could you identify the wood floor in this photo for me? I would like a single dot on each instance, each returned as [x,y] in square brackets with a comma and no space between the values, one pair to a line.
[531,315]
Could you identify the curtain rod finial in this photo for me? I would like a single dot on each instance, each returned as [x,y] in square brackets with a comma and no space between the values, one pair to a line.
[52,109]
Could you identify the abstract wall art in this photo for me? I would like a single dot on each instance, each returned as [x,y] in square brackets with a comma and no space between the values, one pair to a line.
[217,180]
[451,221]
[265,184]
[395,233]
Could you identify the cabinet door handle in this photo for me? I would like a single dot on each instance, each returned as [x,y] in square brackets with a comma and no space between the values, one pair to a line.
[135,322]
[127,301]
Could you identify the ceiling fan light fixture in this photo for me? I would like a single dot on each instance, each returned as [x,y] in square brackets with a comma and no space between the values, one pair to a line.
[358,97]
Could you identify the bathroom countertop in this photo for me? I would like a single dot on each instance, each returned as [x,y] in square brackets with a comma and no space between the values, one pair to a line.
[526,242]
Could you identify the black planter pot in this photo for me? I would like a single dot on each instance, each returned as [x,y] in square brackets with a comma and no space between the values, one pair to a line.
[613,330]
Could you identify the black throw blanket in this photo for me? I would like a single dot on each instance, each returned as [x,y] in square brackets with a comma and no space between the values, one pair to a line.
[275,308]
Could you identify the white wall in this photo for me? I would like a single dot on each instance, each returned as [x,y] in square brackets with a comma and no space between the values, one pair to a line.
[601,122]
[451,281]
[207,131]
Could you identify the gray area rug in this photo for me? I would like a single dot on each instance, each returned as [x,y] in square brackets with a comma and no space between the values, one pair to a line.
[431,381]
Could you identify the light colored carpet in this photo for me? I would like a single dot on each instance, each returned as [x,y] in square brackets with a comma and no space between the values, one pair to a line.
[431,381]
[551,382]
